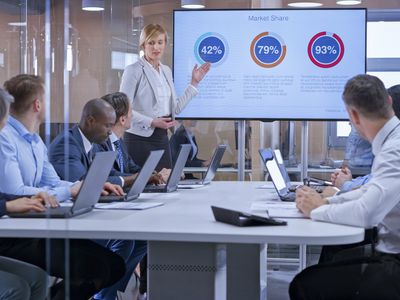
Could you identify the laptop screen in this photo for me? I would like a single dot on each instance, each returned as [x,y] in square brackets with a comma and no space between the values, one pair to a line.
[276,175]
[216,159]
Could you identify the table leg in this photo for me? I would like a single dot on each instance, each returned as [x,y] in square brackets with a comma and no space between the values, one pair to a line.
[182,270]
[302,257]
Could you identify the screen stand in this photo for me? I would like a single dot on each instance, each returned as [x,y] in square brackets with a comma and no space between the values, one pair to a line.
[304,150]
[241,149]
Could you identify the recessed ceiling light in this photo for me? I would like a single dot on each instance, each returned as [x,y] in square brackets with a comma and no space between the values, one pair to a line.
[21,24]
[304,4]
[93,5]
[192,4]
[348,2]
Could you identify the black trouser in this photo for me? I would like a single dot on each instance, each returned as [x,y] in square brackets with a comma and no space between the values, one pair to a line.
[139,147]
[91,266]
[375,277]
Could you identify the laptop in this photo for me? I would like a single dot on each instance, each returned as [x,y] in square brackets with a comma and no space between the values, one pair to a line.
[281,165]
[140,181]
[88,195]
[315,183]
[281,183]
[280,178]
[211,171]
[175,176]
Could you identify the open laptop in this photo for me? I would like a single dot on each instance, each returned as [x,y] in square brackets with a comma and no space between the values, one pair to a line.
[315,183]
[140,181]
[281,183]
[88,195]
[175,176]
[280,178]
[211,170]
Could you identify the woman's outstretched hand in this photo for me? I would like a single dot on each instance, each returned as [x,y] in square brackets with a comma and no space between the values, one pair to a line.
[198,73]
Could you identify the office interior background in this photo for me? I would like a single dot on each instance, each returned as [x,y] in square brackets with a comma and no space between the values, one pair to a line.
[81,53]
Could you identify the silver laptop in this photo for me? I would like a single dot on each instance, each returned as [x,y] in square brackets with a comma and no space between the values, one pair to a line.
[140,181]
[281,183]
[211,170]
[175,176]
[88,195]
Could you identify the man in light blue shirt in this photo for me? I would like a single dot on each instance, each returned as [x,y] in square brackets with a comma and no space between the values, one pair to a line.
[358,151]
[25,169]
[20,150]
[24,165]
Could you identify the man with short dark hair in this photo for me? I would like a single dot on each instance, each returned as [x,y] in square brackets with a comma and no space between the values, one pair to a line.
[378,202]
[124,164]
[97,120]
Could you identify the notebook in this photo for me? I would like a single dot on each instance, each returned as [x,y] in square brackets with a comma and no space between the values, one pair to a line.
[140,181]
[211,170]
[88,195]
[173,179]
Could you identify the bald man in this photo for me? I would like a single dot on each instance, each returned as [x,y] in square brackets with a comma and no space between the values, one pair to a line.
[97,120]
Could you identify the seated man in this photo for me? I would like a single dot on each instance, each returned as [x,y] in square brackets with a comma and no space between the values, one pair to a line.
[24,169]
[343,178]
[184,135]
[98,117]
[358,151]
[95,125]
[375,203]
[124,164]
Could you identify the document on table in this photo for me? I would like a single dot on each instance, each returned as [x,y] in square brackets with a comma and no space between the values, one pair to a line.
[128,205]
[278,209]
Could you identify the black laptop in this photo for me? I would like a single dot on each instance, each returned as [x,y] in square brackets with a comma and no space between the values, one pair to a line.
[280,178]
[88,195]
[175,176]
[281,183]
[211,170]
[140,181]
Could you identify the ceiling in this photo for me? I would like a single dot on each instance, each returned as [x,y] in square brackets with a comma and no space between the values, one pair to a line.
[376,4]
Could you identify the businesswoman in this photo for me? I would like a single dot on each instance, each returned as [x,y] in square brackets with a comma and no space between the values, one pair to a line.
[148,84]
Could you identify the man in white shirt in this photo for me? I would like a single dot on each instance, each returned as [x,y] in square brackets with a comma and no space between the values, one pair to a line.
[376,203]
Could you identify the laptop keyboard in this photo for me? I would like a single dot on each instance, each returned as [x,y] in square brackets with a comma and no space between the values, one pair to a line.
[288,197]
[111,198]
[190,182]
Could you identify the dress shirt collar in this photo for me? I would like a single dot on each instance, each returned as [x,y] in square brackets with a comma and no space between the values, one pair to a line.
[113,137]
[86,143]
[22,130]
[189,132]
[382,134]
[151,66]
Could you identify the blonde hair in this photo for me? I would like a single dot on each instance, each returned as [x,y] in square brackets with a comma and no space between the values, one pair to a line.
[150,31]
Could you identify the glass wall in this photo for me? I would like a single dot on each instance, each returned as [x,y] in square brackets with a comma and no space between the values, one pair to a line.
[88,50]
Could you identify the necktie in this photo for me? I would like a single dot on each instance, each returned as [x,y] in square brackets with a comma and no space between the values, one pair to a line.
[90,156]
[120,158]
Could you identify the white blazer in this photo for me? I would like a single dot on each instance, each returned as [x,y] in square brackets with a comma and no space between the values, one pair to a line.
[139,83]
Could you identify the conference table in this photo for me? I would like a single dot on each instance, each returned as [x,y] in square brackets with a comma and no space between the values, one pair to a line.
[190,254]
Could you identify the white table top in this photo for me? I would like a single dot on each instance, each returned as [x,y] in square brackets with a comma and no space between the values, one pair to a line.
[186,216]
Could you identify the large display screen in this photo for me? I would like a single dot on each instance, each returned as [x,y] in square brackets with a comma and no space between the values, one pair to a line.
[269,64]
